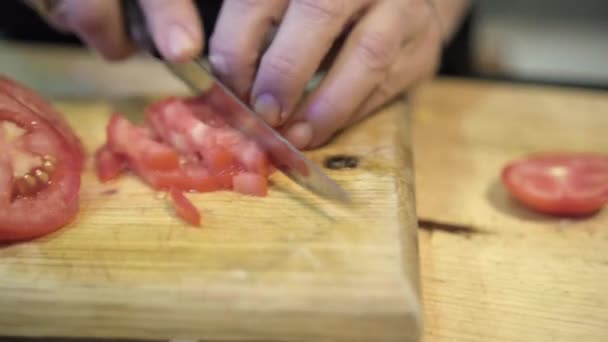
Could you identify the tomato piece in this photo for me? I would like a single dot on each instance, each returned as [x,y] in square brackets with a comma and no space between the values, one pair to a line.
[184,208]
[567,184]
[188,178]
[108,164]
[39,176]
[249,183]
[44,113]
[134,142]
[219,159]
[181,126]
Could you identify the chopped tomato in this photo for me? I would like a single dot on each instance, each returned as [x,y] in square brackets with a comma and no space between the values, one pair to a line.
[134,142]
[185,146]
[184,208]
[40,166]
[188,131]
[568,184]
[186,179]
[108,164]
[251,184]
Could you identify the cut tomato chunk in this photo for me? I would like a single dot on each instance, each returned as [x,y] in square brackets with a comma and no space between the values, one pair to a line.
[108,164]
[184,208]
[189,148]
[134,142]
[568,184]
[250,184]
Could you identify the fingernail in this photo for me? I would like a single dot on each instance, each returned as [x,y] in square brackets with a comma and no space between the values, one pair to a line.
[268,107]
[180,44]
[300,134]
[218,63]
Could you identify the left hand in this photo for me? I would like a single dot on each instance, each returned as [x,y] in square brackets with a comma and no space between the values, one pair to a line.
[393,45]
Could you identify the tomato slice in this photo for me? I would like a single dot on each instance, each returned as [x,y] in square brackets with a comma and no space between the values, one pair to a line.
[184,208]
[39,176]
[566,184]
[248,183]
[108,164]
[44,113]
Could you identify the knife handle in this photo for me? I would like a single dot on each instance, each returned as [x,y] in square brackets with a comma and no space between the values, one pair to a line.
[137,27]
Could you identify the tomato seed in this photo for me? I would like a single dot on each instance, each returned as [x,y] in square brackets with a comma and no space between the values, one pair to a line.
[42,176]
[48,166]
[49,158]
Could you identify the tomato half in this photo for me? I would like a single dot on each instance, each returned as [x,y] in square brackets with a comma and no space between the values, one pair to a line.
[569,184]
[39,174]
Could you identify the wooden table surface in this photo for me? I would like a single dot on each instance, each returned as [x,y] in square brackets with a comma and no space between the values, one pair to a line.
[491,270]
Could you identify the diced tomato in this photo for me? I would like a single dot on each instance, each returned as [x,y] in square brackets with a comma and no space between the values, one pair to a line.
[184,208]
[219,159]
[108,164]
[251,184]
[40,166]
[567,184]
[132,141]
[185,179]
[189,148]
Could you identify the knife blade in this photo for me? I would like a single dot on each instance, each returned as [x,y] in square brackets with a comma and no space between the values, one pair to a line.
[200,78]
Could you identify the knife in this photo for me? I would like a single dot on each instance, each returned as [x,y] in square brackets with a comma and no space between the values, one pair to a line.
[197,75]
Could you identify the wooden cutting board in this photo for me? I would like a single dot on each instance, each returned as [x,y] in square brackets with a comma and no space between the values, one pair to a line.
[286,267]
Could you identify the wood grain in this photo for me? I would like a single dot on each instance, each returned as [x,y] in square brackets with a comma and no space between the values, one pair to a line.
[286,267]
[491,269]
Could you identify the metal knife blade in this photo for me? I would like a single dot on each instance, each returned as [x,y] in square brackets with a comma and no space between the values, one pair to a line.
[198,75]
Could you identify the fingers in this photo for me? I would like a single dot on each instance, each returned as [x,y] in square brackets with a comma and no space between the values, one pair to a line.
[176,27]
[305,36]
[97,22]
[365,60]
[238,39]
[418,61]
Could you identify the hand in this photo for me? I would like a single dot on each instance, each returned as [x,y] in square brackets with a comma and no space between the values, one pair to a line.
[175,26]
[389,46]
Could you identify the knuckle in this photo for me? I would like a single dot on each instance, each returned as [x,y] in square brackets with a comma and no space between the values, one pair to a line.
[234,57]
[281,65]
[377,50]
[85,19]
[322,9]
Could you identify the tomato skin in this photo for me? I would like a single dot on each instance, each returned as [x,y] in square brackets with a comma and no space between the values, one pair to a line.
[561,184]
[108,165]
[184,208]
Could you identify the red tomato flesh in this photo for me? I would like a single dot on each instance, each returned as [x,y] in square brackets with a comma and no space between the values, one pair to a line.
[185,146]
[566,184]
[40,164]
[184,208]
[108,164]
